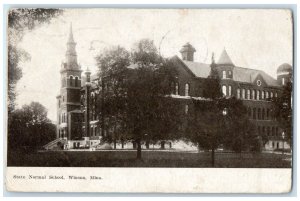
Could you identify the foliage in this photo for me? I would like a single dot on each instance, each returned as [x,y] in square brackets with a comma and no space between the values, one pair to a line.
[29,127]
[134,88]
[20,21]
[284,110]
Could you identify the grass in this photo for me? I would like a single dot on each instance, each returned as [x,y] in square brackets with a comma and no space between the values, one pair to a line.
[126,158]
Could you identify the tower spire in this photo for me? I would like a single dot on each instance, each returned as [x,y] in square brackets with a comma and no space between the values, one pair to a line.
[71,39]
[71,55]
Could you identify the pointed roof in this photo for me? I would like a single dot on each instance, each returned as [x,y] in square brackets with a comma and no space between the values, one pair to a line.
[71,39]
[225,59]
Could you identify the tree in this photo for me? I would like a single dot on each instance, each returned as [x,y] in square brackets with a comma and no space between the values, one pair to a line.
[30,128]
[20,21]
[113,67]
[219,121]
[283,109]
[135,97]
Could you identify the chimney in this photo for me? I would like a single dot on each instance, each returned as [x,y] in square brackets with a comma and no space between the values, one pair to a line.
[187,52]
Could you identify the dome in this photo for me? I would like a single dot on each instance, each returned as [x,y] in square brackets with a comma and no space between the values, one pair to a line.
[284,68]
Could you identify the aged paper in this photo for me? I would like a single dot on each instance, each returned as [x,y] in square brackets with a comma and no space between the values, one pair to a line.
[149,100]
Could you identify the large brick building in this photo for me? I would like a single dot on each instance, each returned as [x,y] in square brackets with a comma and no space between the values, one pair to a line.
[78,120]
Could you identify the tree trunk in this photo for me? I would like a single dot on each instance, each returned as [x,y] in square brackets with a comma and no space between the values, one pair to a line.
[213,157]
[139,149]
[115,144]
[122,142]
[162,145]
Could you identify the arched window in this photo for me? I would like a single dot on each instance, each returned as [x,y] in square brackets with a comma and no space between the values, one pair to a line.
[224,74]
[186,109]
[249,112]
[187,89]
[76,82]
[63,82]
[263,114]
[268,113]
[262,95]
[238,93]
[257,94]
[248,93]
[254,113]
[230,74]
[273,131]
[268,131]
[229,90]
[267,94]
[176,88]
[271,96]
[253,94]
[224,90]
[243,93]
[276,95]
[258,113]
[71,80]
[283,81]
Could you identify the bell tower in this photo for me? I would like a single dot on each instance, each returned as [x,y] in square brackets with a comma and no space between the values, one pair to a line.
[69,98]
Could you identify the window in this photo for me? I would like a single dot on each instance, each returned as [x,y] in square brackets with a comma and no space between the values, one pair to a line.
[71,80]
[229,90]
[76,82]
[224,74]
[224,90]
[262,95]
[268,131]
[259,131]
[271,96]
[186,109]
[243,93]
[253,94]
[273,131]
[249,112]
[267,94]
[238,92]
[258,113]
[268,113]
[254,113]
[176,88]
[283,81]
[276,95]
[258,82]
[187,89]
[257,94]
[248,94]
[263,130]
[230,73]
[263,114]
[277,131]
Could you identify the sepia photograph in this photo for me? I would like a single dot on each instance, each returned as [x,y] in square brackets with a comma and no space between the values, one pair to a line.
[149,88]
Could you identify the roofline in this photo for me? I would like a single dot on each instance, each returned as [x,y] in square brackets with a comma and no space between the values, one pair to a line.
[185,66]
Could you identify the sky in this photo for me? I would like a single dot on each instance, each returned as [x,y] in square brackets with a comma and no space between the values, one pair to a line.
[258,39]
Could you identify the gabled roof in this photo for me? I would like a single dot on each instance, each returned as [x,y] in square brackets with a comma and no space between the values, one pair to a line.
[240,74]
[198,69]
[249,75]
[225,59]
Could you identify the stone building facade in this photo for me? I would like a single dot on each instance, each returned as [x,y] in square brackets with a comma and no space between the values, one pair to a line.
[77,110]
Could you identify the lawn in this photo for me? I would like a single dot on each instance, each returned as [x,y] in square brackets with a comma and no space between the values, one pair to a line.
[126,158]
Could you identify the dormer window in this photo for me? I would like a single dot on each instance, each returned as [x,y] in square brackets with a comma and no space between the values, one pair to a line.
[283,81]
[224,74]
